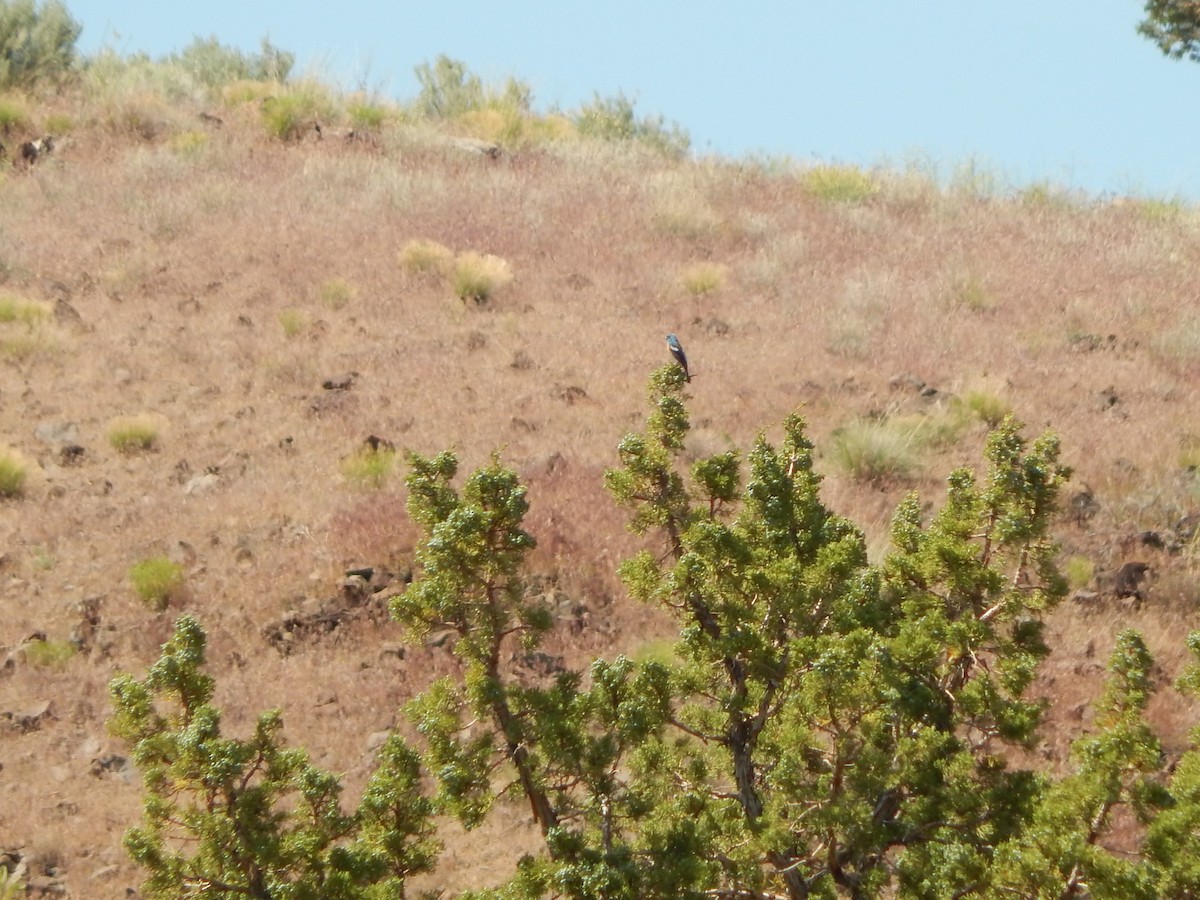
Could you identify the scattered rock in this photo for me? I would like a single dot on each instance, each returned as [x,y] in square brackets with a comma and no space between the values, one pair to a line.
[36,150]
[578,282]
[57,434]
[342,382]
[202,484]
[1107,398]
[110,764]
[1082,506]
[375,444]
[522,362]
[476,340]
[1088,343]
[83,635]
[571,394]
[907,381]
[71,454]
[68,316]
[476,147]
[1129,579]
[32,718]
[715,327]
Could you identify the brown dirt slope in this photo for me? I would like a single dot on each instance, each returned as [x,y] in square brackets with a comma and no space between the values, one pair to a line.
[215,284]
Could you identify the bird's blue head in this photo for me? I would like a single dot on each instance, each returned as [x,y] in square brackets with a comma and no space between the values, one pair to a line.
[672,340]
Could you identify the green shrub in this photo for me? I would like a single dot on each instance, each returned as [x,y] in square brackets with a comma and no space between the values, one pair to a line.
[37,42]
[214,64]
[156,580]
[46,654]
[295,110]
[476,277]
[840,184]
[450,90]
[133,434]
[12,473]
[614,119]
[369,469]
[366,116]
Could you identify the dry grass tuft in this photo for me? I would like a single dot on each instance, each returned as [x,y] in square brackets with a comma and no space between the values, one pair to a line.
[476,277]
[13,471]
[134,434]
[424,257]
[702,278]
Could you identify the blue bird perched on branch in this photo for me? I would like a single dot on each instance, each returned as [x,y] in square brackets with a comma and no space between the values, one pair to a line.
[676,349]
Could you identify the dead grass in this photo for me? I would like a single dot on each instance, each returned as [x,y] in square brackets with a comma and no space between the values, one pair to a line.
[178,255]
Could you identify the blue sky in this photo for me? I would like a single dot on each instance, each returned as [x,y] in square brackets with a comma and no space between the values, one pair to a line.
[1063,91]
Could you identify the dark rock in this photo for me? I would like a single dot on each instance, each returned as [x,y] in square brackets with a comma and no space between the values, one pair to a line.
[571,394]
[342,382]
[578,282]
[374,444]
[1082,506]
[32,718]
[1129,578]
[522,361]
[71,454]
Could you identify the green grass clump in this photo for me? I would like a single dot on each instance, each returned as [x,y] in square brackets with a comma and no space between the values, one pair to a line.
[840,184]
[48,655]
[12,473]
[703,278]
[422,257]
[14,115]
[876,452]
[294,110]
[156,580]
[336,294]
[29,313]
[366,116]
[985,406]
[133,434]
[476,277]
[369,469]
[189,144]
[968,291]
[1079,571]
[294,322]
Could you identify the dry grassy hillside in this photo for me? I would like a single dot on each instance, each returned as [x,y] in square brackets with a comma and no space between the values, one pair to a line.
[213,279]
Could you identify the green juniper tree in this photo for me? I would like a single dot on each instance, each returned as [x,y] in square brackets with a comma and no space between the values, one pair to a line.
[226,817]
[1174,25]
[1060,853]
[563,746]
[841,721]
[828,727]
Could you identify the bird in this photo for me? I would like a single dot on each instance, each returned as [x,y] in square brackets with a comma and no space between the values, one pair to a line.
[676,349]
